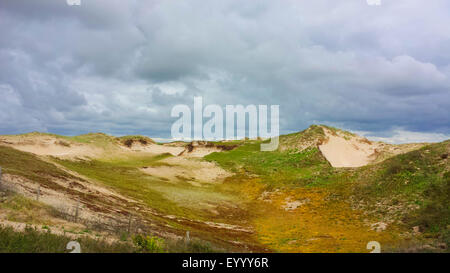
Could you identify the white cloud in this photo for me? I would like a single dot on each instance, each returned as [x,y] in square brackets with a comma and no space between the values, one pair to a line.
[398,136]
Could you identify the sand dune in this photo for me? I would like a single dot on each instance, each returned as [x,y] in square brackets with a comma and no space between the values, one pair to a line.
[347,152]
[50,146]
[344,149]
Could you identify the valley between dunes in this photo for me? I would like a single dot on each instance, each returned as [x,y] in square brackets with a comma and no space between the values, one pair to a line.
[323,190]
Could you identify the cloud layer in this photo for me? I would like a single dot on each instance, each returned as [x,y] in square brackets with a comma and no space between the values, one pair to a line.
[120,66]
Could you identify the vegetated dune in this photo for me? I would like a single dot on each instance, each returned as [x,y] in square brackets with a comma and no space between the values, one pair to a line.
[100,174]
[95,145]
[43,144]
[61,191]
[199,149]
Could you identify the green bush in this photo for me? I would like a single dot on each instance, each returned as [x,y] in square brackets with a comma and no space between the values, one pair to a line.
[150,244]
[435,215]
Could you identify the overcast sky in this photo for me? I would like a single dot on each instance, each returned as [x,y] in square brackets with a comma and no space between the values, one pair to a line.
[120,66]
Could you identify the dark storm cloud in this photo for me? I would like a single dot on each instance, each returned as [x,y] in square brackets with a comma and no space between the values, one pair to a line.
[120,66]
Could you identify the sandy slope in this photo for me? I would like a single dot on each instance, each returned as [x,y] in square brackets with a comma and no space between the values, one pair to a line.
[347,151]
[343,149]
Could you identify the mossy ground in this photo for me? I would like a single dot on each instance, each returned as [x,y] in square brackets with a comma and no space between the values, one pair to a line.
[320,225]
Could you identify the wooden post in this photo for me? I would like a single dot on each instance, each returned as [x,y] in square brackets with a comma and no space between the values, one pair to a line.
[187,237]
[129,225]
[38,192]
[76,210]
[0,177]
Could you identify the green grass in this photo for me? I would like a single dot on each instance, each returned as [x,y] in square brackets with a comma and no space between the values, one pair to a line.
[305,168]
[296,141]
[33,241]
[410,173]
[30,166]
[434,216]
[419,177]
[106,141]
[124,175]
[18,208]
[137,161]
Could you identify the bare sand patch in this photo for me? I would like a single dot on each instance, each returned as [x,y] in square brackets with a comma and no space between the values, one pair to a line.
[154,148]
[343,149]
[347,151]
[200,152]
[190,170]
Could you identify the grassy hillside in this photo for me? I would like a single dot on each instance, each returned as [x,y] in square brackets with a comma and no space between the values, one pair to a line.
[320,218]
[125,176]
[97,139]
[30,166]
[420,179]
[407,190]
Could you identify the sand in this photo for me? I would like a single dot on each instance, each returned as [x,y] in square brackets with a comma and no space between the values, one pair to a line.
[154,149]
[189,170]
[175,150]
[348,151]
[200,151]
[343,149]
